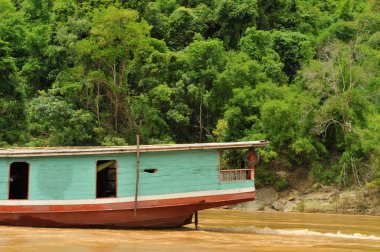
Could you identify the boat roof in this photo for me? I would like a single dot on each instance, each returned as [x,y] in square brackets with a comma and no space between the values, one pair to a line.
[89,150]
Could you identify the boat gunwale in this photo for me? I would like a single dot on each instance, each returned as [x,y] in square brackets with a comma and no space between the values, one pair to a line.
[85,150]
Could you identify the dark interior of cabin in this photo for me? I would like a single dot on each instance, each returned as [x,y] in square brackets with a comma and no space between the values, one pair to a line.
[106,178]
[19,180]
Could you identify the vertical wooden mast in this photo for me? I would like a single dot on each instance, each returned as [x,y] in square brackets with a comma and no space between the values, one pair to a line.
[137,171]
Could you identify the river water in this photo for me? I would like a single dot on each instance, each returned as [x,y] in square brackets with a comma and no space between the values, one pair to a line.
[222,230]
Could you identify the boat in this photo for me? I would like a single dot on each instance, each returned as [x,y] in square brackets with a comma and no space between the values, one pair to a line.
[142,186]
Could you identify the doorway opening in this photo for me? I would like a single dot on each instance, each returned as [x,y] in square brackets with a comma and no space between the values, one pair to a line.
[106,176]
[18,180]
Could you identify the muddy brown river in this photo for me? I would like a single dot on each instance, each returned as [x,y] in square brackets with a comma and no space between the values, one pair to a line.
[221,230]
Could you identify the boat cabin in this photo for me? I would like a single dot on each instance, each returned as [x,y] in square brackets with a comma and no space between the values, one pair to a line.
[94,176]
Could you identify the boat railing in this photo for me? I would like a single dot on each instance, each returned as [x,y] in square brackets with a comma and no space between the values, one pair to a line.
[229,175]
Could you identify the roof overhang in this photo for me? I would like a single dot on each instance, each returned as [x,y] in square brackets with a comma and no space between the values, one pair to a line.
[82,150]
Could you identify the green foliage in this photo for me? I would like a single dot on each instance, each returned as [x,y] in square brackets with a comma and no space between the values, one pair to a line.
[221,130]
[155,15]
[63,9]
[326,175]
[294,49]
[182,26]
[12,28]
[107,65]
[345,31]
[370,137]
[149,117]
[12,122]
[54,122]
[138,5]
[113,141]
[37,10]
[7,68]
[346,11]
[281,183]
[239,72]
[374,41]
[265,177]
[302,74]
[280,119]
[341,82]
[234,17]
[204,61]
[277,14]
[369,23]
[259,45]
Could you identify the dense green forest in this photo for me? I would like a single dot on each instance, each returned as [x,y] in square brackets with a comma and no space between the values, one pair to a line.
[303,74]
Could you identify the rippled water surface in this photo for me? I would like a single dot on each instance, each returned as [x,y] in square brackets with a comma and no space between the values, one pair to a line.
[222,230]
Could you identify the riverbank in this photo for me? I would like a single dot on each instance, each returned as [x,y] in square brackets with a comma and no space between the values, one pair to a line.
[315,199]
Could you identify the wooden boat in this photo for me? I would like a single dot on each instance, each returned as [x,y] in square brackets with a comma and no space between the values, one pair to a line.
[147,186]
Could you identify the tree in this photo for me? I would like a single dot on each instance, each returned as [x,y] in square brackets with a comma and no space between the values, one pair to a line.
[234,17]
[278,14]
[294,49]
[138,5]
[240,72]
[36,68]
[111,67]
[11,97]
[341,81]
[12,30]
[259,45]
[370,137]
[7,69]
[204,60]
[54,122]
[346,11]
[37,10]
[182,27]
[157,19]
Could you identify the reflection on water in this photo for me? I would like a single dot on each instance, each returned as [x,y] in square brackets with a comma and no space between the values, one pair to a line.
[224,230]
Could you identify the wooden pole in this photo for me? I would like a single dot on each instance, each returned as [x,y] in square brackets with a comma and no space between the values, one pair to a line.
[196,220]
[137,171]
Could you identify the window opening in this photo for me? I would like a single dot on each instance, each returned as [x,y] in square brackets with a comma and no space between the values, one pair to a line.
[19,180]
[106,178]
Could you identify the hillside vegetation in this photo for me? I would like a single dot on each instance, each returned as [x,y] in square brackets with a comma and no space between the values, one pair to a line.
[303,74]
